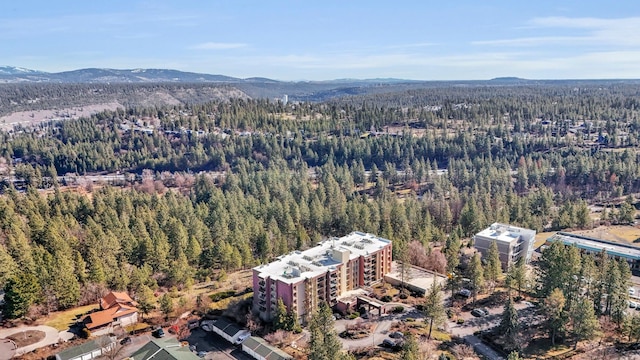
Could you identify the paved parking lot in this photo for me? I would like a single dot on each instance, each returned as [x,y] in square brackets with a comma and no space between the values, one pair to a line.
[216,347]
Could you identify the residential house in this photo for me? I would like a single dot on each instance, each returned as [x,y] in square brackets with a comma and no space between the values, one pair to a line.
[116,309]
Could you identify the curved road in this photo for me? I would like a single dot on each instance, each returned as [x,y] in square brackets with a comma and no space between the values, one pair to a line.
[51,337]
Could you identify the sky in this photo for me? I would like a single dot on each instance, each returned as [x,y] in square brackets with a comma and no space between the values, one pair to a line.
[327,39]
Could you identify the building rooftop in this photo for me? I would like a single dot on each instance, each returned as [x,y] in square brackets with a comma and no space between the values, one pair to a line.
[86,348]
[114,298]
[164,349]
[597,245]
[504,233]
[227,326]
[298,265]
[265,350]
[104,317]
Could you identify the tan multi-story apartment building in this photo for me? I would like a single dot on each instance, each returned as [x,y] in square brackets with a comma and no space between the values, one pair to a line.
[513,242]
[304,279]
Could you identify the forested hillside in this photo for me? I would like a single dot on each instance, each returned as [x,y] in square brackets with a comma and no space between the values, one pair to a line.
[411,166]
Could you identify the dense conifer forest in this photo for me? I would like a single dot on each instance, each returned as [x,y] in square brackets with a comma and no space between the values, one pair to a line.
[232,184]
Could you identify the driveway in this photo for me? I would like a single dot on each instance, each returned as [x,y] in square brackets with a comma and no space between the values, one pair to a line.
[136,343]
[51,337]
[482,348]
[7,349]
[216,347]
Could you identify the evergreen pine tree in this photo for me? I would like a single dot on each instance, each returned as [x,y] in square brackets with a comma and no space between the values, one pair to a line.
[324,343]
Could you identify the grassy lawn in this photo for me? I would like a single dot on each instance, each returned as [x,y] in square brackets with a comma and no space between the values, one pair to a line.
[223,304]
[541,238]
[136,327]
[63,319]
[541,348]
[628,233]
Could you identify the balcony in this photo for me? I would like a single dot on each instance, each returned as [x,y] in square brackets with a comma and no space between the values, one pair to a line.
[261,282]
[262,309]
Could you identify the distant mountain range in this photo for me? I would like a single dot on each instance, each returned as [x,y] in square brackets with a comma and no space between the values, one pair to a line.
[256,87]
[12,74]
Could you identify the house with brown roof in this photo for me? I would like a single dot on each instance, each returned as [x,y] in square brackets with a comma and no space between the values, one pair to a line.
[117,309]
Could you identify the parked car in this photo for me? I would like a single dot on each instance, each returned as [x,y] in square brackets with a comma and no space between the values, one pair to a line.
[192,324]
[479,312]
[125,341]
[632,291]
[396,335]
[242,337]
[158,333]
[202,354]
[388,343]
[632,304]
[465,292]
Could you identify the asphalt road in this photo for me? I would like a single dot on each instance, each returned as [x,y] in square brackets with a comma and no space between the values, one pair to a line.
[380,332]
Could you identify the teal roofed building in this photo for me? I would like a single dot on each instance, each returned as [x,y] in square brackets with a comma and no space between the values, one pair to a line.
[261,350]
[92,349]
[594,246]
[164,349]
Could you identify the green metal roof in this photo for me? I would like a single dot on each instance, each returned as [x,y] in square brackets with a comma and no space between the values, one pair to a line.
[86,348]
[164,349]
[259,346]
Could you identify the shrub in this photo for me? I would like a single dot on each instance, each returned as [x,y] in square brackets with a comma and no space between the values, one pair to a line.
[279,337]
[398,309]
[386,298]
[222,295]
[409,319]
[403,296]
[460,321]
[354,315]
[85,333]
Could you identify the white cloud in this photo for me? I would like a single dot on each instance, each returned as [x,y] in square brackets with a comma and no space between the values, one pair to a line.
[534,41]
[217,46]
[595,32]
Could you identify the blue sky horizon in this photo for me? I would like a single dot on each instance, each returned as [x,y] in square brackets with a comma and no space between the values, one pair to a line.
[305,40]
